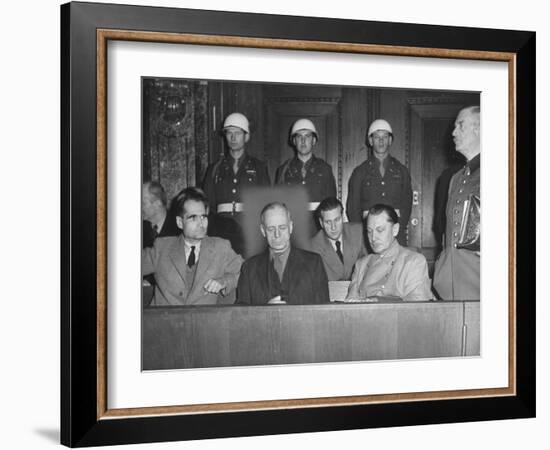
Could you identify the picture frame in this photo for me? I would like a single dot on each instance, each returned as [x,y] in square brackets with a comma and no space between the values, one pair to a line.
[86,28]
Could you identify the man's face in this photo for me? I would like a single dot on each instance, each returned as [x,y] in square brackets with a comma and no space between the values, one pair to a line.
[277,228]
[380,141]
[194,221]
[381,232]
[236,138]
[148,204]
[332,223]
[304,140]
[466,132]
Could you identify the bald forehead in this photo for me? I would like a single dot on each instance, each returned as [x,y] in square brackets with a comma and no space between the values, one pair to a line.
[275,211]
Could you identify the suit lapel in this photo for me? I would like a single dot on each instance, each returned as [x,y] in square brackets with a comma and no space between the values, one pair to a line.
[177,255]
[331,255]
[291,271]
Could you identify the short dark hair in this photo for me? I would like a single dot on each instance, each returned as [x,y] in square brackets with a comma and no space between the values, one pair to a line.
[273,205]
[156,190]
[190,193]
[380,208]
[328,204]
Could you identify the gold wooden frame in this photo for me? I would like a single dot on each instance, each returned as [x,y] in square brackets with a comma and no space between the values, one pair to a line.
[103,36]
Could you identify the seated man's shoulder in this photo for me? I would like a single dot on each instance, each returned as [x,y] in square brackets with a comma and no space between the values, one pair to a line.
[166,242]
[413,255]
[317,240]
[217,242]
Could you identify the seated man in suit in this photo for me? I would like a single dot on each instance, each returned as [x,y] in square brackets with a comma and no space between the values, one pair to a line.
[193,268]
[392,270]
[157,221]
[339,244]
[282,273]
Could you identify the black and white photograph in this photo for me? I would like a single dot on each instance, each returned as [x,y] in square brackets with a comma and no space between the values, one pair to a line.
[288,223]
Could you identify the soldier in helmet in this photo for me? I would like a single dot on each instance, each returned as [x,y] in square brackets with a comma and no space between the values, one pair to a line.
[226,179]
[380,179]
[306,169]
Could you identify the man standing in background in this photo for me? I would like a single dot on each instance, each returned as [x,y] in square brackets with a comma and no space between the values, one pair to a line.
[381,179]
[227,178]
[456,275]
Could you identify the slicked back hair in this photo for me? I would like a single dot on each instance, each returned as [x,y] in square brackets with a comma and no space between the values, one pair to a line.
[379,208]
[190,193]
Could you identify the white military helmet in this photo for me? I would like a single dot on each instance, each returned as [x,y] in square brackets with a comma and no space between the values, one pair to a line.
[236,120]
[379,124]
[303,124]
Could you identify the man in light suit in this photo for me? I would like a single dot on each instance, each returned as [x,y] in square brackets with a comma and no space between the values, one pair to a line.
[339,244]
[282,273]
[193,268]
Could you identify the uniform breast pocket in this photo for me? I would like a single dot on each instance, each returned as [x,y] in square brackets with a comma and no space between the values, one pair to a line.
[368,181]
[250,177]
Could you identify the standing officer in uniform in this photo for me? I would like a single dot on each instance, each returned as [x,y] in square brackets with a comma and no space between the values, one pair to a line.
[456,275]
[227,178]
[306,169]
[380,179]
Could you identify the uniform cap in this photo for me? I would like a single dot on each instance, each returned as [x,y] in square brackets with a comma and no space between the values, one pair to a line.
[379,124]
[303,124]
[236,120]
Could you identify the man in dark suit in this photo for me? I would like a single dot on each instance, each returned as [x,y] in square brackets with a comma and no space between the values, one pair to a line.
[339,244]
[282,273]
[157,222]
[193,268]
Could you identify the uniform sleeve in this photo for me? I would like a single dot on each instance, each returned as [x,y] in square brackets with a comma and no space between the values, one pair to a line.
[243,288]
[417,281]
[406,190]
[353,204]
[263,175]
[232,264]
[209,187]
[331,185]
[279,174]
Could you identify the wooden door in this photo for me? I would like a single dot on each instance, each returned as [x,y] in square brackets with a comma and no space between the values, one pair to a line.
[283,107]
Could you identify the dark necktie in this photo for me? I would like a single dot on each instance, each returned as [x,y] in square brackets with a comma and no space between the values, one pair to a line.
[339,251]
[191,259]
[236,165]
[382,169]
[304,170]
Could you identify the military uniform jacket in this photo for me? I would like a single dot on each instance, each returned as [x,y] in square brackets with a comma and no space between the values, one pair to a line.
[353,248]
[318,181]
[456,275]
[400,272]
[166,259]
[367,188]
[222,185]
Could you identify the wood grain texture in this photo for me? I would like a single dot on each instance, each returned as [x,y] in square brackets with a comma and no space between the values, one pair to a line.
[192,337]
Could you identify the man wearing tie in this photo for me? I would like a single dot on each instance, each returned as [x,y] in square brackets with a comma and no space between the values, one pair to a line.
[282,273]
[193,268]
[339,244]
